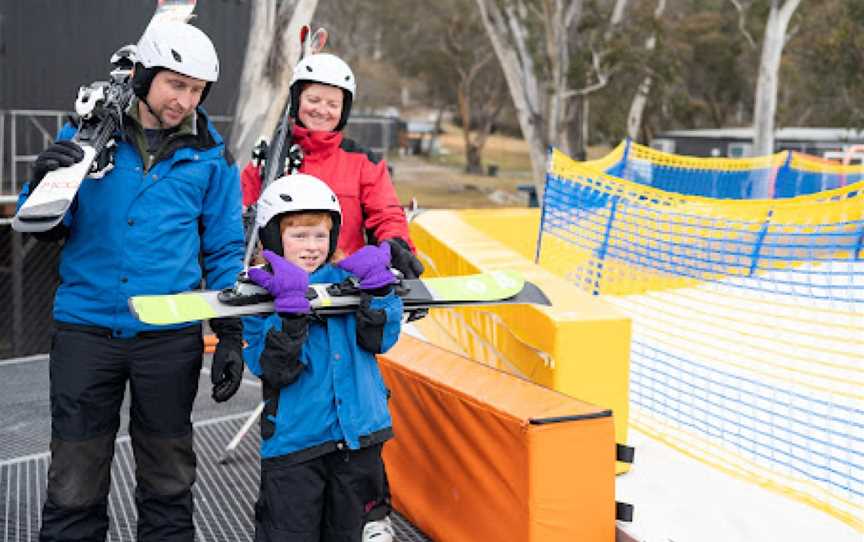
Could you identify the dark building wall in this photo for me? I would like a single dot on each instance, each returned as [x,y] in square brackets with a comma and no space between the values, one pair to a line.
[48,48]
[700,147]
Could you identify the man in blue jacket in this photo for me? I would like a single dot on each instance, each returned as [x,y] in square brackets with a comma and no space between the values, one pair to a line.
[164,216]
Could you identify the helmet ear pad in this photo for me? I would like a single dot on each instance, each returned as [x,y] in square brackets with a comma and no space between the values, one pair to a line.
[347,100]
[271,236]
[143,78]
[297,88]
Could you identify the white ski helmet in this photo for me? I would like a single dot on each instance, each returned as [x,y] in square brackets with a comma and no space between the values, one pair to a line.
[176,46]
[326,69]
[293,194]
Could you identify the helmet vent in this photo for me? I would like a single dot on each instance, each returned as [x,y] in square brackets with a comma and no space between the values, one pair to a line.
[176,56]
[286,197]
[333,198]
[309,68]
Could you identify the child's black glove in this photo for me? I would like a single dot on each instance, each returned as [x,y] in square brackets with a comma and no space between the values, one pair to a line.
[280,360]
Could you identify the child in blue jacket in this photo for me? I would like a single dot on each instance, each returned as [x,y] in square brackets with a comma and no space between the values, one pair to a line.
[325,417]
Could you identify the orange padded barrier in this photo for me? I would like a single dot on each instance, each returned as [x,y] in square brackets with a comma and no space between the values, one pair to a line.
[210,343]
[482,455]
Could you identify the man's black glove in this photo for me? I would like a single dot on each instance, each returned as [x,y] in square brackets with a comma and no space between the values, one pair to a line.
[403,259]
[227,370]
[59,154]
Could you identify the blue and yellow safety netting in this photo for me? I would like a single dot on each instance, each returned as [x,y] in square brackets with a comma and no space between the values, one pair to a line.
[786,173]
[748,315]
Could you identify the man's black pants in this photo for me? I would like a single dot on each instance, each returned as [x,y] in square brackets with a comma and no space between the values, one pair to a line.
[89,372]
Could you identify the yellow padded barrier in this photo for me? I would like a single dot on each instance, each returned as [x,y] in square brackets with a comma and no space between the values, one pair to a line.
[579,346]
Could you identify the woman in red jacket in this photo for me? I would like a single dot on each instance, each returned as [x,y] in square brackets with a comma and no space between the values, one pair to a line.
[322,91]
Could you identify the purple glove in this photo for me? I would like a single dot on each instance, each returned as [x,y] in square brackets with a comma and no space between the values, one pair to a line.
[287,284]
[371,265]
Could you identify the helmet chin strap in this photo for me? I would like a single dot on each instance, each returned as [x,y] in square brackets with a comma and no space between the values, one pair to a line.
[152,112]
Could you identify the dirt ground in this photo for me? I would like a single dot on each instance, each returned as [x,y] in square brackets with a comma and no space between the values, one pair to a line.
[441,181]
[436,185]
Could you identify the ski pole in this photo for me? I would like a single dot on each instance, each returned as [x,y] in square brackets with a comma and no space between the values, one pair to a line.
[274,164]
[272,167]
[235,441]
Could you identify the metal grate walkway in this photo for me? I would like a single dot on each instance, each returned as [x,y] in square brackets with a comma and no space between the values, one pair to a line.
[224,493]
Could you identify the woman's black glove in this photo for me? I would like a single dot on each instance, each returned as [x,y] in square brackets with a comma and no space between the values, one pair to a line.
[407,263]
[403,259]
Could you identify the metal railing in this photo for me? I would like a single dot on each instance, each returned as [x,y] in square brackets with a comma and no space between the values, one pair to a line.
[25,132]
[22,146]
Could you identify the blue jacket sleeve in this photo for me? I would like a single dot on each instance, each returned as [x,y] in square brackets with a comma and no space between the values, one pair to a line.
[222,236]
[393,308]
[254,333]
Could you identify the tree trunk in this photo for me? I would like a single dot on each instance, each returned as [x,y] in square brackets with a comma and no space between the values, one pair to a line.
[765,106]
[637,106]
[473,159]
[271,53]
[509,38]
[585,128]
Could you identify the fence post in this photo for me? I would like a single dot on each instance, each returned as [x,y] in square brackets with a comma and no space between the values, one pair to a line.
[13,150]
[604,247]
[15,270]
[757,246]
[3,153]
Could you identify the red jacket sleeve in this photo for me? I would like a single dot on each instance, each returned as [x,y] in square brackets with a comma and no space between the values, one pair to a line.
[250,182]
[384,214]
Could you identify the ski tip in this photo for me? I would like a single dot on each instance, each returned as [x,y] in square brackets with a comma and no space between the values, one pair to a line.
[35,226]
[318,41]
[133,309]
[535,295]
[173,10]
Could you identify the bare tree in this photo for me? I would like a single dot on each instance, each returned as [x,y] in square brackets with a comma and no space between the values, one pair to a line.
[637,106]
[535,41]
[271,53]
[480,89]
[765,106]
[765,103]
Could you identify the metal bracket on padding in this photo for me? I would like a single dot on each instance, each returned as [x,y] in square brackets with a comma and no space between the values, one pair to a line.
[624,453]
[623,511]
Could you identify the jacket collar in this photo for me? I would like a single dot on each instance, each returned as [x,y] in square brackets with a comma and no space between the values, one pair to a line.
[316,145]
